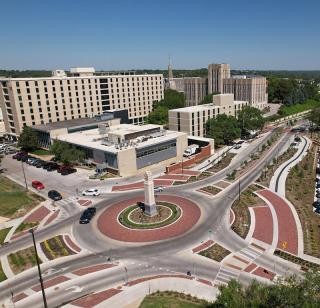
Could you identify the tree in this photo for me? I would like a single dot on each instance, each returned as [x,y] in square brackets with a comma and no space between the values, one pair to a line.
[172,100]
[290,292]
[28,139]
[314,117]
[208,98]
[250,118]
[223,129]
[66,153]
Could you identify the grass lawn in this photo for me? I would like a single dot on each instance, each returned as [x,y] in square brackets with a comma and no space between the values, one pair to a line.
[3,234]
[14,200]
[300,187]
[215,252]
[41,152]
[296,108]
[2,275]
[55,247]
[22,260]
[25,226]
[170,299]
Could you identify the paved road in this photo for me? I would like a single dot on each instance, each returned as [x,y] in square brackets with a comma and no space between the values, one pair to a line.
[167,253]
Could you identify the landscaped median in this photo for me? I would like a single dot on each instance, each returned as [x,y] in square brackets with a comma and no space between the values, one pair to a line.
[133,216]
[55,247]
[3,234]
[300,188]
[215,252]
[22,260]
[240,207]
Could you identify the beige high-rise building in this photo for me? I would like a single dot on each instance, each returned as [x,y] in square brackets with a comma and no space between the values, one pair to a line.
[216,74]
[83,93]
[248,88]
[192,120]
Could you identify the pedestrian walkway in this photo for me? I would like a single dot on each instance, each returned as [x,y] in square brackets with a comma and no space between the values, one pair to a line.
[225,275]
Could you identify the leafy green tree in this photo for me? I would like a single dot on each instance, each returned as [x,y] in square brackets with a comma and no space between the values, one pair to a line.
[208,98]
[250,118]
[172,100]
[223,129]
[290,292]
[314,117]
[158,116]
[28,139]
[66,153]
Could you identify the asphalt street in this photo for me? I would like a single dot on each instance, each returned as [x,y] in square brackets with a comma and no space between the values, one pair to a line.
[165,254]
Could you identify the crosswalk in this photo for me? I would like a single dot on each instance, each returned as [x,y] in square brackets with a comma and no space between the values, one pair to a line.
[225,275]
[66,201]
[250,253]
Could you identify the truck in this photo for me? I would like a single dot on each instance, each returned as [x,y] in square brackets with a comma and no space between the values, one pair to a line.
[190,150]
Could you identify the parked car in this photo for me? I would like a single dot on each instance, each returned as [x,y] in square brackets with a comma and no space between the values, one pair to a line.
[37,185]
[21,156]
[318,185]
[318,194]
[35,161]
[15,156]
[91,192]
[316,204]
[237,147]
[52,167]
[317,210]
[39,163]
[24,158]
[63,167]
[46,165]
[87,215]
[30,160]
[54,195]
[158,189]
[68,171]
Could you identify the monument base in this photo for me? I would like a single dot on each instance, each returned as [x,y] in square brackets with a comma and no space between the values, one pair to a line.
[150,210]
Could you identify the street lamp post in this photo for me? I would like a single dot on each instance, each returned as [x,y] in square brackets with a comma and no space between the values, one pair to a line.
[24,175]
[239,190]
[39,271]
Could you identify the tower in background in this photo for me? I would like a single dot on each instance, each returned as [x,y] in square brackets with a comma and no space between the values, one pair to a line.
[216,74]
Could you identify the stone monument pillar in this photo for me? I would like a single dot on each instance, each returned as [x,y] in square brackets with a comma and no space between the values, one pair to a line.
[150,208]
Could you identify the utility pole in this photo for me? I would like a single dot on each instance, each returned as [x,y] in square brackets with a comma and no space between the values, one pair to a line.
[239,191]
[39,271]
[24,175]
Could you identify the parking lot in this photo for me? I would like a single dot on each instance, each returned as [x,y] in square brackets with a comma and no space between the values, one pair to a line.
[67,185]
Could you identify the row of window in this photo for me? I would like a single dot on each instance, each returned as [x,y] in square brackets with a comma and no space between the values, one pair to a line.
[156,149]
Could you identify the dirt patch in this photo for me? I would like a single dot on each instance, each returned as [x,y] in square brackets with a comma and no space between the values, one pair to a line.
[241,224]
[222,184]
[300,188]
[215,252]
[223,163]
[211,190]
[138,216]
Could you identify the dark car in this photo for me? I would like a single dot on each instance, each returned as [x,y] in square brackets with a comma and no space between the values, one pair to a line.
[52,167]
[35,161]
[318,194]
[87,215]
[46,165]
[39,163]
[54,195]
[316,204]
[318,185]
[23,156]
[67,171]
[317,210]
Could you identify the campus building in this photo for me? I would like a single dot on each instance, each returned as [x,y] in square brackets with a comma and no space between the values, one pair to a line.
[121,148]
[80,94]
[245,88]
[248,88]
[192,120]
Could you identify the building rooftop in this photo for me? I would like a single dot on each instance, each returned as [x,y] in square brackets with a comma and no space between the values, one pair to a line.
[95,140]
[73,123]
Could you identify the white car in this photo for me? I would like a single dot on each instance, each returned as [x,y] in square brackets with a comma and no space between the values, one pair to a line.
[91,192]
[158,189]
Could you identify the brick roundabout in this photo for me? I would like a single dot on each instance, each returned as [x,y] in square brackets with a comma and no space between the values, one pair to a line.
[110,227]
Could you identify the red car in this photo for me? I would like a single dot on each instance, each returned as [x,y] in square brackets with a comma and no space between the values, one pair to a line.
[37,185]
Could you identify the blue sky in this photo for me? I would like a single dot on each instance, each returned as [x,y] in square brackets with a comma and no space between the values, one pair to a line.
[124,34]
